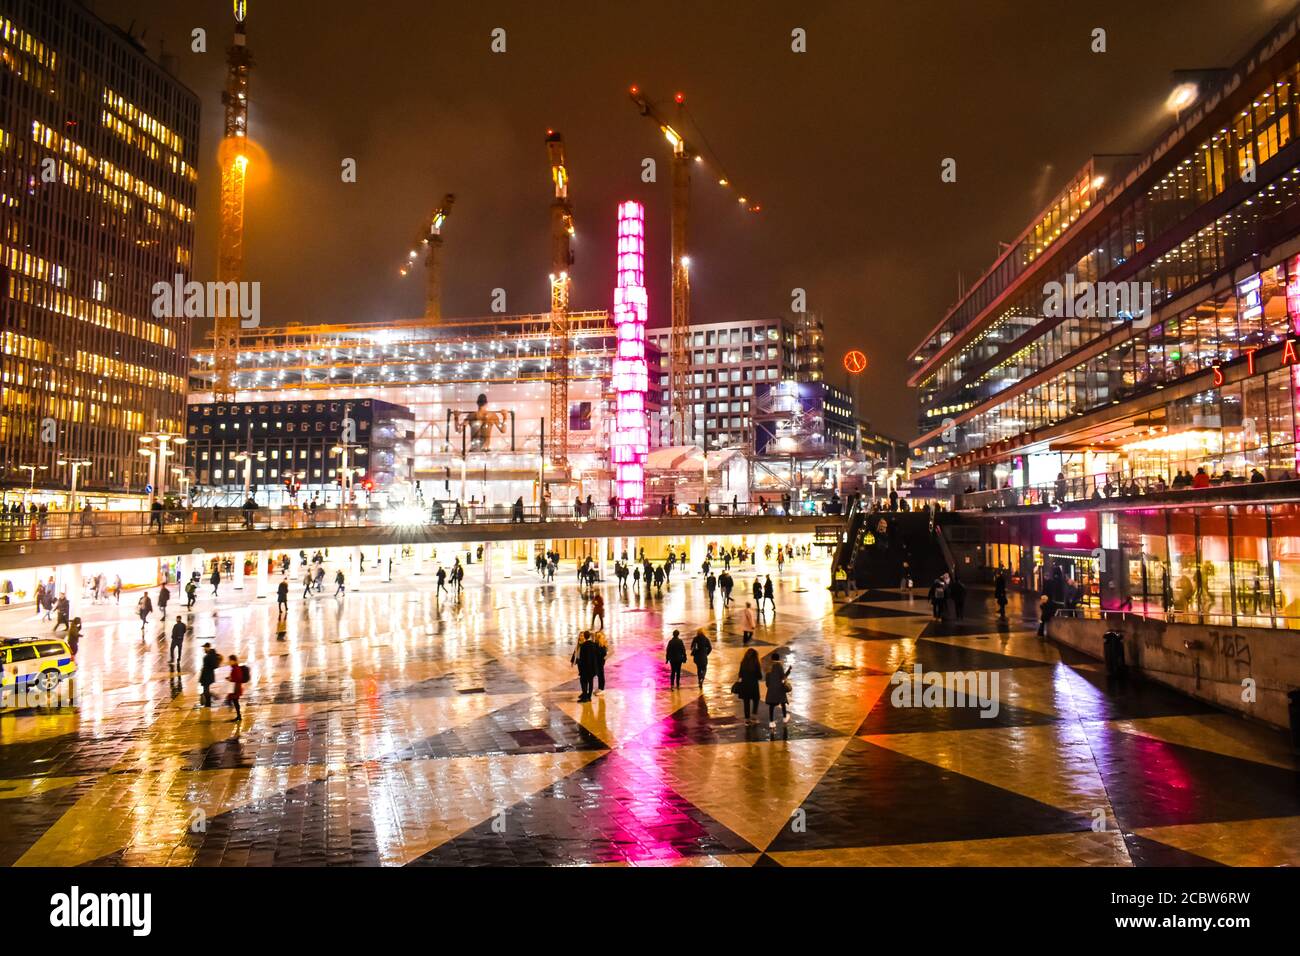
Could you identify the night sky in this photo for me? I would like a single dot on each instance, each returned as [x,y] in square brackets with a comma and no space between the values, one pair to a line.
[841,145]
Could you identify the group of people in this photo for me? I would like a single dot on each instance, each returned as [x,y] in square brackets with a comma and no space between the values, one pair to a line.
[589,656]
[944,589]
[750,678]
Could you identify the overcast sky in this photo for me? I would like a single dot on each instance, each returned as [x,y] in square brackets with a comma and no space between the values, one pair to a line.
[841,145]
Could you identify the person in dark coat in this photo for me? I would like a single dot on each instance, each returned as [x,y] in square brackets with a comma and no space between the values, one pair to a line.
[1000,593]
[768,593]
[63,612]
[178,642]
[281,597]
[164,597]
[215,580]
[958,592]
[676,657]
[749,679]
[701,648]
[585,656]
[208,674]
[73,636]
[777,694]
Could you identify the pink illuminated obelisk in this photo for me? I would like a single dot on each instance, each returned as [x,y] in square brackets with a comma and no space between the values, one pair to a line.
[631,440]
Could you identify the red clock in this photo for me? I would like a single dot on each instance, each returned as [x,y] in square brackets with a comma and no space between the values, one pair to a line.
[855,361]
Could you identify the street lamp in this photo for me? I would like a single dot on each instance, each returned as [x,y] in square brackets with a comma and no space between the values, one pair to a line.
[77,464]
[158,464]
[31,486]
[342,449]
[247,458]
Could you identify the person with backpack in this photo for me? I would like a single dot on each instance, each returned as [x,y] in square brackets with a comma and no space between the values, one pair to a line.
[191,594]
[208,674]
[675,656]
[778,691]
[239,676]
[701,648]
[747,683]
[178,642]
[938,595]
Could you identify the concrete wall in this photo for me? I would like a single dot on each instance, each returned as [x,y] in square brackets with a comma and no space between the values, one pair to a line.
[1205,661]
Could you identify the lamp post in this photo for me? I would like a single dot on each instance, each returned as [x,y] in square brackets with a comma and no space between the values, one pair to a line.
[343,449]
[31,485]
[153,468]
[76,464]
[247,459]
[156,443]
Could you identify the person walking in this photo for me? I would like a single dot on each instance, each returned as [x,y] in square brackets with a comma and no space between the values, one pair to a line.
[338,580]
[769,593]
[711,586]
[675,656]
[747,623]
[208,674]
[958,592]
[597,611]
[282,597]
[778,691]
[73,636]
[701,648]
[603,651]
[584,657]
[215,580]
[63,612]
[144,607]
[238,678]
[191,594]
[938,595]
[178,643]
[747,684]
[164,597]
[1000,593]
[306,585]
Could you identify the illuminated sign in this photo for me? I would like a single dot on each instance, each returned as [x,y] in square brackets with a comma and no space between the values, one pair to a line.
[630,378]
[1071,530]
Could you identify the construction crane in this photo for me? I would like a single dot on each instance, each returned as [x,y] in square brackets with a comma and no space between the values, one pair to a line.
[562,232]
[233,158]
[684,154]
[431,236]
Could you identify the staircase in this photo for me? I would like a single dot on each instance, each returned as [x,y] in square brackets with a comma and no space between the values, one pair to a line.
[878,562]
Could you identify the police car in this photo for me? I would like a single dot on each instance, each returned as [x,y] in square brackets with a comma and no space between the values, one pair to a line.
[40,661]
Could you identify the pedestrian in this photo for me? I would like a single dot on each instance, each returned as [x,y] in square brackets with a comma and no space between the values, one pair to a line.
[747,684]
[208,674]
[215,580]
[769,593]
[1000,593]
[603,650]
[747,623]
[306,585]
[778,691]
[338,579]
[711,586]
[938,596]
[701,648]
[144,607]
[191,594]
[958,592]
[117,588]
[63,613]
[282,597]
[597,611]
[676,657]
[164,596]
[178,642]
[238,678]
[584,657]
[73,637]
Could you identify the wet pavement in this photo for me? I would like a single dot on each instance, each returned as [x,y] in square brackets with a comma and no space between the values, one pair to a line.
[394,726]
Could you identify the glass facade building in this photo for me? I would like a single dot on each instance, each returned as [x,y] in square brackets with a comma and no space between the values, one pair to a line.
[98,147]
[1182,352]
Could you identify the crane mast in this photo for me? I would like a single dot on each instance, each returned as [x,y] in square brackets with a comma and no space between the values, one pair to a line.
[234,167]
[562,230]
[433,261]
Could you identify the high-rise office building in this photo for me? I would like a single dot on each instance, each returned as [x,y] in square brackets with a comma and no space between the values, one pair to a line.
[98,146]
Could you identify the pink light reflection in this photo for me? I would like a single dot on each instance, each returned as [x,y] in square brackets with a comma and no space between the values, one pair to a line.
[631,440]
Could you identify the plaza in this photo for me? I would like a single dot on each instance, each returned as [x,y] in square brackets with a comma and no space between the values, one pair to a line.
[400,726]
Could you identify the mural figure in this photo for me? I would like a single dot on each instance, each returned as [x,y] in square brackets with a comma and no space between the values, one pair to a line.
[480,423]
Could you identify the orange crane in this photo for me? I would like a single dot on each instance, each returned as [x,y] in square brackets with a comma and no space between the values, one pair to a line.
[431,236]
[233,159]
[684,154]
[562,232]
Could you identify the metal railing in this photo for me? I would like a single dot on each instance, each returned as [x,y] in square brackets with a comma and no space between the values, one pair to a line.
[1109,487]
[62,525]
[1155,612]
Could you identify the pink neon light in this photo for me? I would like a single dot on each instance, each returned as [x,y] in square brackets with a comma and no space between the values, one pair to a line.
[631,380]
